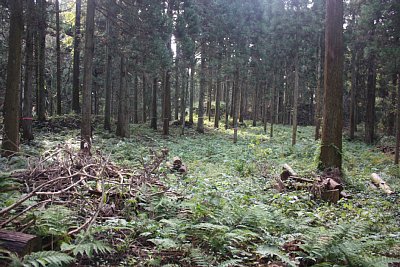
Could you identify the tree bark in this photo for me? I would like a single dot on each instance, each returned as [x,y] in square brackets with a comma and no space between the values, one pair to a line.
[218,96]
[183,100]
[176,98]
[26,119]
[227,107]
[200,121]
[255,104]
[144,98]
[370,107]
[295,97]
[353,92]
[41,102]
[210,89]
[135,99]
[272,106]
[318,93]
[10,143]
[58,52]
[86,129]
[107,104]
[153,123]
[331,143]
[77,40]
[397,151]
[191,99]
[123,110]
[167,102]
[236,105]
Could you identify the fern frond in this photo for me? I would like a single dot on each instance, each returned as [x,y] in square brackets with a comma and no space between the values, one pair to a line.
[231,263]
[266,250]
[199,258]
[87,247]
[46,258]
[165,243]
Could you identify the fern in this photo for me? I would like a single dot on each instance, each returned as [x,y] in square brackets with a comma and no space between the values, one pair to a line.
[87,245]
[55,221]
[43,258]
[230,263]
[199,258]
[266,250]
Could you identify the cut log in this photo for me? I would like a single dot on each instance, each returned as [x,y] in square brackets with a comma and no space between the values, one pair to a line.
[279,185]
[177,162]
[331,195]
[345,195]
[331,184]
[20,243]
[182,169]
[301,179]
[379,182]
[287,172]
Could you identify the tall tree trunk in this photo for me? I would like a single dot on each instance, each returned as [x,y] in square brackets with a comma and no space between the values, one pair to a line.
[318,93]
[144,98]
[177,84]
[123,110]
[236,104]
[200,121]
[210,88]
[41,102]
[397,151]
[191,99]
[391,124]
[10,143]
[153,123]
[227,108]
[183,100]
[242,101]
[77,40]
[167,102]
[26,119]
[58,52]
[218,96]
[370,107]
[331,143]
[135,99]
[86,129]
[272,106]
[353,92]
[295,97]
[255,104]
[107,104]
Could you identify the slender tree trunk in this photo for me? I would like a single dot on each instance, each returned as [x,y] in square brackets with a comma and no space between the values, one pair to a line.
[42,56]
[167,102]
[177,84]
[236,104]
[370,107]
[200,122]
[318,93]
[183,100]
[272,106]
[331,143]
[397,152]
[135,99]
[153,123]
[209,96]
[58,52]
[218,96]
[144,98]
[191,99]
[391,124]
[295,97]
[26,119]
[123,110]
[255,104]
[10,143]
[86,129]
[227,108]
[77,40]
[242,101]
[353,93]
[107,104]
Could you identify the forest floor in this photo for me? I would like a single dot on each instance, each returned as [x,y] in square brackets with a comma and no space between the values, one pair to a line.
[225,211]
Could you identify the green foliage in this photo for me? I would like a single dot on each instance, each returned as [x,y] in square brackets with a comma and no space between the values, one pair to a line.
[86,245]
[55,221]
[269,251]
[42,258]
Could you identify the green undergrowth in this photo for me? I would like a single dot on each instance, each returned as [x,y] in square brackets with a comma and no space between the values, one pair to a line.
[227,212]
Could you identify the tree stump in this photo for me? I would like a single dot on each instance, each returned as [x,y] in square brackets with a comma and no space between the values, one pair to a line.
[20,243]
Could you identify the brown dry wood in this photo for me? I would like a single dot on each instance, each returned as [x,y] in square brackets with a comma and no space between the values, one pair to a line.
[19,243]
[331,184]
[183,169]
[177,162]
[287,172]
[331,195]
[379,182]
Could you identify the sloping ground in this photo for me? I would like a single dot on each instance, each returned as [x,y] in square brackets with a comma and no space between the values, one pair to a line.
[226,212]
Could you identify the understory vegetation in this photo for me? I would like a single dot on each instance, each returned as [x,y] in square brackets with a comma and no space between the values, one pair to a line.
[225,210]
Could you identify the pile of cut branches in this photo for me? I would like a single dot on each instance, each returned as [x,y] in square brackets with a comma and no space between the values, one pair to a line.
[89,184]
